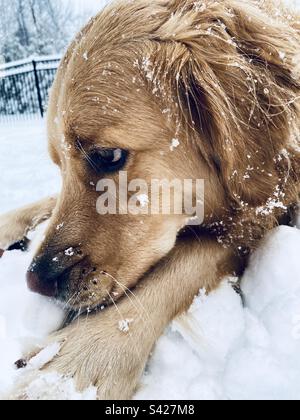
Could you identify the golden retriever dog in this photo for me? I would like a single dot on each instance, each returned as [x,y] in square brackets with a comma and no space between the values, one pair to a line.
[222,79]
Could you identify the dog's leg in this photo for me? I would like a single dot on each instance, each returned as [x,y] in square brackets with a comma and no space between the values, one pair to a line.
[110,350]
[15,225]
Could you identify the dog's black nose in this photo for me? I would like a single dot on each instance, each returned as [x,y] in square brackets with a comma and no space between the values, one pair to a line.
[49,269]
[37,285]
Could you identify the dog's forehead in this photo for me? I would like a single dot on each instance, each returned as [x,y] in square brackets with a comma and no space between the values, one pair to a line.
[104,94]
[106,102]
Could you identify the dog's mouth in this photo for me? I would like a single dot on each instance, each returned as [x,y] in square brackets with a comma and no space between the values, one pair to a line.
[72,313]
[75,283]
[84,301]
[90,292]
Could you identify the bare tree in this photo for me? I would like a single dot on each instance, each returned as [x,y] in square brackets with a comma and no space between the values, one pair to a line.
[40,27]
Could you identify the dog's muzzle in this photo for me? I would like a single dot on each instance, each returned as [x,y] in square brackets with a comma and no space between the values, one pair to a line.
[50,272]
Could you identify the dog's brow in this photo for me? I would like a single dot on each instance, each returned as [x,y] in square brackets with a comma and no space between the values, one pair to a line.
[85,143]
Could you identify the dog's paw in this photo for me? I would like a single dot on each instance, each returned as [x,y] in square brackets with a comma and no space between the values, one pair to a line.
[87,360]
[37,381]
[11,234]
[15,225]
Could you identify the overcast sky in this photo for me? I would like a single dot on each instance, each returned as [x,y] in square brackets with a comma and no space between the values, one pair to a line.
[93,5]
[96,5]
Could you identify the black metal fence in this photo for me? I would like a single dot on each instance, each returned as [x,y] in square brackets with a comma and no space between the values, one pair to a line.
[24,86]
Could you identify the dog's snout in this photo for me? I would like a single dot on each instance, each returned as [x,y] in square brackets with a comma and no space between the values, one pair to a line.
[49,269]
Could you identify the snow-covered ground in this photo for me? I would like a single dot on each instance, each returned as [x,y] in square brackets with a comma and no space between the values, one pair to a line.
[219,350]
[27,174]
[222,350]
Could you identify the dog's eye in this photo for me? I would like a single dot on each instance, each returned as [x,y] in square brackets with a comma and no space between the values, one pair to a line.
[108,160]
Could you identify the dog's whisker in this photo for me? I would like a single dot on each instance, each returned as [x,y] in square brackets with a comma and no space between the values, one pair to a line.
[69,301]
[195,234]
[79,314]
[67,310]
[124,288]
[142,308]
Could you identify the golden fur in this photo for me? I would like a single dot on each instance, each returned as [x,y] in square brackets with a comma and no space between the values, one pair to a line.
[224,78]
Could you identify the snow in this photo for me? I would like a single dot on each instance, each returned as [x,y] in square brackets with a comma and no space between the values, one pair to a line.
[124,325]
[53,387]
[222,350]
[22,148]
[174,144]
[69,252]
[143,200]
[219,350]
[29,60]
[45,356]
[26,319]
[22,66]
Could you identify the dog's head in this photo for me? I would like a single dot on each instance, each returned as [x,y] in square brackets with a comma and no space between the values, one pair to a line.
[170,90]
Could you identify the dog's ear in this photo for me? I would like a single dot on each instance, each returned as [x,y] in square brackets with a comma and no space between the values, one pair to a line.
[235,71]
